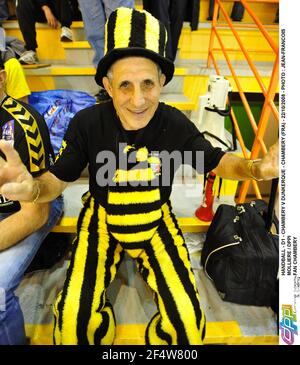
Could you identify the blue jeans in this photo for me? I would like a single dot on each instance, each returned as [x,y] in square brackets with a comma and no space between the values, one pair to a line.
[94,15]
[13,263]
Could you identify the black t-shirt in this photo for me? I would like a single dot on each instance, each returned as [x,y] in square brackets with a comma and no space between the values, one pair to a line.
[28,132]
[98,129]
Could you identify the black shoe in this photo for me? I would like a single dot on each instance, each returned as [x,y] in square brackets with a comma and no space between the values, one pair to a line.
[102,96]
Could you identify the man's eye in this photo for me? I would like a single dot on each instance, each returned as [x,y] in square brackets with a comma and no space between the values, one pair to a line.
[148,83]
[124,84]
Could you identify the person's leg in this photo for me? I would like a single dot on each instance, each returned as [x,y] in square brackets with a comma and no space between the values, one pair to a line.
[111,5]
[177,11]
[165,266]
[13,263]
[28,13]
[82,314]
[160,10]
[3,10]
[237,12]
[64,13]
[94,22]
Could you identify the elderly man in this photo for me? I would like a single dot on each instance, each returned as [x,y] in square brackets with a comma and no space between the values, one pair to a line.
[23,225]
[127,206]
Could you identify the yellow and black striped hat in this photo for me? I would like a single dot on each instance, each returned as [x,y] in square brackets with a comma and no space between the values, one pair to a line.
[129,32]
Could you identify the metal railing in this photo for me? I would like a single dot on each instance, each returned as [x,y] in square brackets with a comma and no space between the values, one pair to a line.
[268,91]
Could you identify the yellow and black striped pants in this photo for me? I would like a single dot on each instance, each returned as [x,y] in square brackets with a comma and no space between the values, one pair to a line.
[82,313]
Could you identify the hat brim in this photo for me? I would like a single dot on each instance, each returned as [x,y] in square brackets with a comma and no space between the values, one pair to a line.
[166,65]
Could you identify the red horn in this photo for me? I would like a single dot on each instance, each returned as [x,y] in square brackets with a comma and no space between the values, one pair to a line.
[205,211]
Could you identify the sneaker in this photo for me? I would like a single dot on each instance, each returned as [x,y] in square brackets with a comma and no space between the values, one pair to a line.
[102,96]
[28,58]
[66,35]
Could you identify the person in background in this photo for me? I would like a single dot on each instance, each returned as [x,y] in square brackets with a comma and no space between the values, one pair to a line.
[94,15]
[237,12]
[127,207]
[30,12]
[4,14]
[16,85]
[172,14]
[23,226]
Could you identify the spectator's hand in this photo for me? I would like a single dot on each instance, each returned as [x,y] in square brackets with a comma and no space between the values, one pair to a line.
[51,20]
[16,183]
[268,168]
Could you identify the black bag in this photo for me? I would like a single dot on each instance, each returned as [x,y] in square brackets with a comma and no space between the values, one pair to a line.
[240,254]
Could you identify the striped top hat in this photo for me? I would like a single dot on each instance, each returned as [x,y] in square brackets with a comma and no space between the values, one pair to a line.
[129,32]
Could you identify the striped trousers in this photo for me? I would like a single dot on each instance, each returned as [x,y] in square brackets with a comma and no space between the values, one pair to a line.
[82,313]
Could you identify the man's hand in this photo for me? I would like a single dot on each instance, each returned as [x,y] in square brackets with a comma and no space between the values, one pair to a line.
[51,20]
[16,183]
[267,168]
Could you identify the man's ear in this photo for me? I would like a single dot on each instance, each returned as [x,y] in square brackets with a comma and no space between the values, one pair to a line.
[162,80]
[107,85]
[2,78]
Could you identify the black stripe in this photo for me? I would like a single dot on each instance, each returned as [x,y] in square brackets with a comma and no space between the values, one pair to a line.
[105,324]
[61,304]
[54,326]
[122,209]
[12,104]
[142,269]
[138,28]
[89,280]
[133,229]
[128,188]
[28,121]
[162,39]
[133,245]
[167,297]
[110,31]
[179,265]
[37,162]
[159,331]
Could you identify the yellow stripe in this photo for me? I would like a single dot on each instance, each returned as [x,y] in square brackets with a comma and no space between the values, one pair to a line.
[176,286]
[134,175]
[152,33]
[105,39]
[57,332]
[134,219]
[72,302]
[135,237]
[103,244]
[225,332]
[123,22]
[137,197]
[182,251]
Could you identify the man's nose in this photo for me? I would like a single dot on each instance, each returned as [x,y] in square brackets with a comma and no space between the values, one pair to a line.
[137,97]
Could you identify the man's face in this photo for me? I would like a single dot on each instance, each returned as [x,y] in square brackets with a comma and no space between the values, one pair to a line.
[135,89]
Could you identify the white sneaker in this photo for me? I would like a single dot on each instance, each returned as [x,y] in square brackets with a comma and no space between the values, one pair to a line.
[28,58]
[66,35]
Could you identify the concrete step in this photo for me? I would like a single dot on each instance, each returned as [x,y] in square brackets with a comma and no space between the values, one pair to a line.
[190,78]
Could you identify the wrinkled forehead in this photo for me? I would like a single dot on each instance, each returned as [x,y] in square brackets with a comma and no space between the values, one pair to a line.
[133,65]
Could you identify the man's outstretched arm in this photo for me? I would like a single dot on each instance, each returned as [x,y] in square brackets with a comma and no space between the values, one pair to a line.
[238,168]
[16,183]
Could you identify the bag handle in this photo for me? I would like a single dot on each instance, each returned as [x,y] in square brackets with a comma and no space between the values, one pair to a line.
[269,217]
